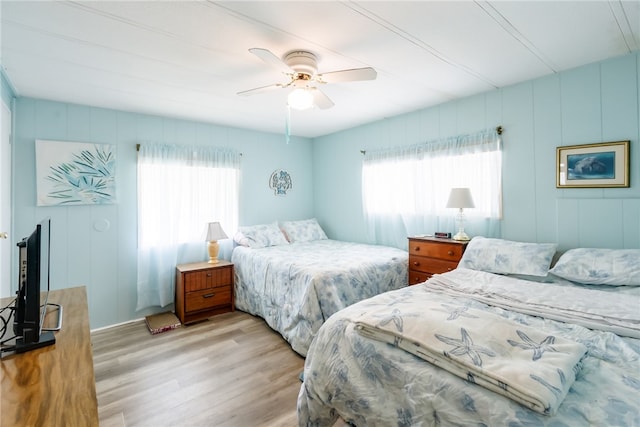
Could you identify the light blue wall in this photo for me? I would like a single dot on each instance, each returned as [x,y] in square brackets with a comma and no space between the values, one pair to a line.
[6,91]
[593,103]
[106,261]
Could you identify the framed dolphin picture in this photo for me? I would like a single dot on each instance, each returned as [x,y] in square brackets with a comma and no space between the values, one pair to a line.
[599,165]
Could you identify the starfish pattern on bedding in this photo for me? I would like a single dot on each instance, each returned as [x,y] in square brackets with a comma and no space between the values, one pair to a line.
[529,344]
[555,390]
[465,347]
[394,317]
[457,311]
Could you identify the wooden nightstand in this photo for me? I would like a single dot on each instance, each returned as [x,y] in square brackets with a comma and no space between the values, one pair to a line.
[431,255]
[203,290]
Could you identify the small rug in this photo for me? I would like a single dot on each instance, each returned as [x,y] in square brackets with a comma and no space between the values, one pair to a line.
[162,322]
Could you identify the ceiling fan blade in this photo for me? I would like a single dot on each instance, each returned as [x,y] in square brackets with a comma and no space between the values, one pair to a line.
[321,100]
[261,89]
[352,75]
[268,57]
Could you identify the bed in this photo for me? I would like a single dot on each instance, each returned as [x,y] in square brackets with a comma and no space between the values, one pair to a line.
[410,357]
[295,278]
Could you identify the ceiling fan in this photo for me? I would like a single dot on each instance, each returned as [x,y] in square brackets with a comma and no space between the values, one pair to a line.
[301,69]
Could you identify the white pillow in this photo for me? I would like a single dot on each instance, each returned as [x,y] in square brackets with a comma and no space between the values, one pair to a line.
[240,239]
[260,236]
[600,266]
[305,230]
[508,257]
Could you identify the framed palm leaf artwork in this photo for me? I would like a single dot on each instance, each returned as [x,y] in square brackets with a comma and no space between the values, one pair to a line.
[75,173]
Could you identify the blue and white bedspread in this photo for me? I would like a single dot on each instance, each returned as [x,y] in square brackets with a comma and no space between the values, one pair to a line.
[296,287]
[607,310]
[370,382]
[515,360]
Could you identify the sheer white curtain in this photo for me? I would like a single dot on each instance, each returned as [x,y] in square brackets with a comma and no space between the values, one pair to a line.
[405,189]
[180,190]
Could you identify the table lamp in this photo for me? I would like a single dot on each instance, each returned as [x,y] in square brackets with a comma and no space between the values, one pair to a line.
[460,198]
[214,233]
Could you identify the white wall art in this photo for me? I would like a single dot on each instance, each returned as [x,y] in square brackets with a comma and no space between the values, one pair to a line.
[280,182]
[75,173]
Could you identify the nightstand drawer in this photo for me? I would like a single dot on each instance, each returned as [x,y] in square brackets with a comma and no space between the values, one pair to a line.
[203,290]
[429,256]
[418,277]
[430,265]
[444,251]
[208,298]
[208,279]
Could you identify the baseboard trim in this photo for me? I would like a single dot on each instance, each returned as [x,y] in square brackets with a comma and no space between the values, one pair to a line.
[141,319]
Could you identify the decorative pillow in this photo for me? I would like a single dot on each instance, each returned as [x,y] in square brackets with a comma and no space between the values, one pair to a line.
[240,239]
[260,236]
[303,231]
[507,257]
[600,266]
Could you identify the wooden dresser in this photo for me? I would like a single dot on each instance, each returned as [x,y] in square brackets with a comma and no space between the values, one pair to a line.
[432,255]
[203,290]
[53,385]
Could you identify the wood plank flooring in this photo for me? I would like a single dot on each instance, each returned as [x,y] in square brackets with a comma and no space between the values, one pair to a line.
[229,371]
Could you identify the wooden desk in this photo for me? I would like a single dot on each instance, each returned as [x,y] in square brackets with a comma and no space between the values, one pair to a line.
[54,385]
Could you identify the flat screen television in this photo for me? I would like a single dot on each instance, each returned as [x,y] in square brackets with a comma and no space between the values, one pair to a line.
[33,290]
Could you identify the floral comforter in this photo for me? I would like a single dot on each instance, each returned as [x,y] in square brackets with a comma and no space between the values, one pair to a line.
[369,382]
[296,287]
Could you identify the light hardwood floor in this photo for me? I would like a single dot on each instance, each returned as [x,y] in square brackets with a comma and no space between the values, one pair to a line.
[231,370]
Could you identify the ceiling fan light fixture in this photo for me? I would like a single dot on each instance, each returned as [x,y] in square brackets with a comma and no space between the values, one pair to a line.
[301,68]
[300,99]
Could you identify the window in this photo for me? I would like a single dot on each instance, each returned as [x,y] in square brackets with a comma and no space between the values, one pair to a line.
[405,189]
[180,190]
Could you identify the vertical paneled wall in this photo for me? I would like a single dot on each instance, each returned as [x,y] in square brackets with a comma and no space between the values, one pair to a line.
[6,92]
[96,245]
[594,103]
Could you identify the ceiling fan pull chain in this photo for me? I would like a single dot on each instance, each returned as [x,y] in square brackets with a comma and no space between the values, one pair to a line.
[287,125]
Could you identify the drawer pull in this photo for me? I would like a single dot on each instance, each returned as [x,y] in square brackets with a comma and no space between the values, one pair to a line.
[208,274]
[416,263]
[212,294]
[417,248]
[450,252]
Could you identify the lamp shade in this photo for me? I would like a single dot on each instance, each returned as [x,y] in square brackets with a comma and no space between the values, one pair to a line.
[300,99]
[460,198]
[215,232]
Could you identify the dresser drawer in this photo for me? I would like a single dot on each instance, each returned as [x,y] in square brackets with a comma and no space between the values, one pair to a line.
[207,298]
[444,251]
[208,279]
[203,290]
[418,277]
[428,256]
[430,265]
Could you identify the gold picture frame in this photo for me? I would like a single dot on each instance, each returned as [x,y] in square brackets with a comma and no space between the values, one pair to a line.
[601,165]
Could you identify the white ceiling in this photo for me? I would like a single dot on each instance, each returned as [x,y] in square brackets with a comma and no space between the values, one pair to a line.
[188,59]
